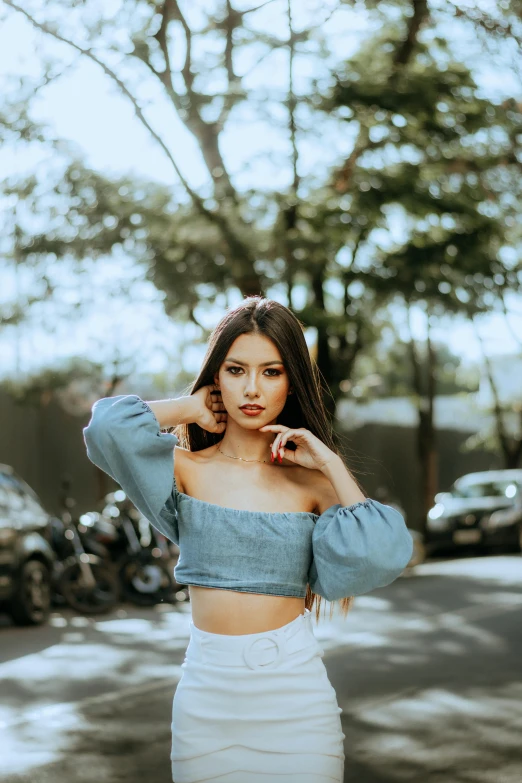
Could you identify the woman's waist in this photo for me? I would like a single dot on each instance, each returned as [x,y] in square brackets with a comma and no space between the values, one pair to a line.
[288,645]
[230,612]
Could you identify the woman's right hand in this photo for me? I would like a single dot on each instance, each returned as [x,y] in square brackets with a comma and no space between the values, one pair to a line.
[207,409]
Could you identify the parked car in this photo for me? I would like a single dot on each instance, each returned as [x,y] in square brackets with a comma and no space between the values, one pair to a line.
[482,510]
[26,555]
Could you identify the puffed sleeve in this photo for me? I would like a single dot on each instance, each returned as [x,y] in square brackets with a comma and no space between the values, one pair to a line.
[357,549]
[123,438]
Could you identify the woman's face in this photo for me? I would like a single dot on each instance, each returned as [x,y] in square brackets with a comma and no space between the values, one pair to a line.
[253,373]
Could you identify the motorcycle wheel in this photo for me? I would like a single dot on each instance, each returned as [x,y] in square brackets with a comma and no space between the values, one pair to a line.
[146,582]
[32,602]
[85,599]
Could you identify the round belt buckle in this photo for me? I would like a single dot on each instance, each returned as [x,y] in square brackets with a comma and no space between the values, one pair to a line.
[247,652]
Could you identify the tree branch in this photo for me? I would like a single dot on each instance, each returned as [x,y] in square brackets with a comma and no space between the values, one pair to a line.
[516,337]
[123,87]
[161,37]
[420,13]
[487,22]
[236,245]
[290,211]
[497,405]
[206,133]
[415,362]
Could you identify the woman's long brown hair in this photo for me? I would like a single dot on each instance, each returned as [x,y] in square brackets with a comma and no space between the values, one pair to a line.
[304,408]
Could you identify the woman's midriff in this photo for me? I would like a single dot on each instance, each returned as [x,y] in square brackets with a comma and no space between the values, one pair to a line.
[233,613]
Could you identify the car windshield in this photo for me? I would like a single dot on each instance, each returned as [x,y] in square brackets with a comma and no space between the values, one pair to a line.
[507,488]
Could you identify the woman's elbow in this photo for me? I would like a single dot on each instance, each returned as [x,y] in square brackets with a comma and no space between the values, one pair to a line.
[392,560]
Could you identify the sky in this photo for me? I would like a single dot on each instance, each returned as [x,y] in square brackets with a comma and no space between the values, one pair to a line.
[83,107]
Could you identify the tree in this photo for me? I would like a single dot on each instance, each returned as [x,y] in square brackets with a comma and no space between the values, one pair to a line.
[450,183]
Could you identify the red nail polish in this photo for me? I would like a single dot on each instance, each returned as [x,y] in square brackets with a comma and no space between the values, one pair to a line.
[272,457]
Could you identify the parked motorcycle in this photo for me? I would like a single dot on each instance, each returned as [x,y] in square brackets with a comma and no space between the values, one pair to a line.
[113,554]
[81,578]
[142,557]
[143,568]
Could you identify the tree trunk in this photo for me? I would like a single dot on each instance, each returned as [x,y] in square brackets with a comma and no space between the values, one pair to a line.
[510,446]
[428,461]
[427,452]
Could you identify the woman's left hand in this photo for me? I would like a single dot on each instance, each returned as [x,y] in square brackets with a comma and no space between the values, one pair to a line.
[311,452]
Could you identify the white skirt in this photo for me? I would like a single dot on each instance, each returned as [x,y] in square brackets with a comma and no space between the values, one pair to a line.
[256,708]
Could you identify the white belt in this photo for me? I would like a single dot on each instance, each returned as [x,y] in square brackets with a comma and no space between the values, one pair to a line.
[284,641]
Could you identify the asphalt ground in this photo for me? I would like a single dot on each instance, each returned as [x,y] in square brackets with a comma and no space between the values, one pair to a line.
[428,673]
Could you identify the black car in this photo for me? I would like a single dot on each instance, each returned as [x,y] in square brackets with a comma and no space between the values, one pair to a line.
[26,555]
[482,510]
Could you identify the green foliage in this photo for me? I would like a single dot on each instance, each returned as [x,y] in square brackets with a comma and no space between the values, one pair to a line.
[446,158]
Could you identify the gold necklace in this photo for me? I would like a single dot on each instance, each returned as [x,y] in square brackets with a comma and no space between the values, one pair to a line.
[241,458]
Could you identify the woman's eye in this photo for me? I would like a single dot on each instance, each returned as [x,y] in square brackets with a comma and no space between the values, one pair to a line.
[270,370]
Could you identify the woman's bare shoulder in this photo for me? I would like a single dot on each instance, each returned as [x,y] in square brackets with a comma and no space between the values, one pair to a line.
[324,493]
[315,485]
[186,461]
[203,455]
[181,458]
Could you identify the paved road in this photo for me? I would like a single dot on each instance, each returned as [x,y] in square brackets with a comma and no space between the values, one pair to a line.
[427,671]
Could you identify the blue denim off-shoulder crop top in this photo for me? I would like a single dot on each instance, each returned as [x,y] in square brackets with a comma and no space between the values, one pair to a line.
[345,551]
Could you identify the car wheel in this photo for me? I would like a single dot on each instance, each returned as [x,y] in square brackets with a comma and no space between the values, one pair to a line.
[31,604]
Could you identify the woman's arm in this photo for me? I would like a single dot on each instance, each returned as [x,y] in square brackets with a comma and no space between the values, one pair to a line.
[170,413]
[358,543]
[357,548]
[123,438]
[337,486]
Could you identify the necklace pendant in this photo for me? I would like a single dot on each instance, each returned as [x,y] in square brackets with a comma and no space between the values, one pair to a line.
[241,458]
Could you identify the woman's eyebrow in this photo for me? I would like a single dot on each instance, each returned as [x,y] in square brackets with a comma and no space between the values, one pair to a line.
[263,364]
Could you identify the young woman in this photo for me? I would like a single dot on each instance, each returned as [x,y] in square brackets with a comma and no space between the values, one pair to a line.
[268,519]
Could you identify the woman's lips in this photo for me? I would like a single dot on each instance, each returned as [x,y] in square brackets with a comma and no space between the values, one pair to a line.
[252,411]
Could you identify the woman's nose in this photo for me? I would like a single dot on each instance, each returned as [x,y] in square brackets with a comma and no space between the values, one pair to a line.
[251,384]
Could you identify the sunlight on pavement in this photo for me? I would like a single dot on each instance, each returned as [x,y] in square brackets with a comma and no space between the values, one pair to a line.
[434,728]
[40,736]
[373,620]
[172,624]
[499,568]
[28,744]
[95,662]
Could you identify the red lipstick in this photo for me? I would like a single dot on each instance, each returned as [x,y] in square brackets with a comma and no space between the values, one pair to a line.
[251,410]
